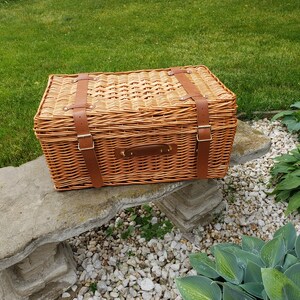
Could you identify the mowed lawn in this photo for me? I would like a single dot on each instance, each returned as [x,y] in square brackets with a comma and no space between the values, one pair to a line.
[252,46]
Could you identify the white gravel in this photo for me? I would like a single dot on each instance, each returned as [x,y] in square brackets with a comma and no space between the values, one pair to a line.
[136,269]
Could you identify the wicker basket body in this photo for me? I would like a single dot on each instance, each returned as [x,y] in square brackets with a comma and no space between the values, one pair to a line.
[134,108]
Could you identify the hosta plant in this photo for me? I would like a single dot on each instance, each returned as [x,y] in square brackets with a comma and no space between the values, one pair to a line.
[291,118]
[286,178]
[253,270]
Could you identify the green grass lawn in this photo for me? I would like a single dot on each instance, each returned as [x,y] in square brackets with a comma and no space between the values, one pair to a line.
[252,46]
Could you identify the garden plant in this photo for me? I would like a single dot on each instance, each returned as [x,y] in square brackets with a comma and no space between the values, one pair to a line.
[286,170]
[253,270]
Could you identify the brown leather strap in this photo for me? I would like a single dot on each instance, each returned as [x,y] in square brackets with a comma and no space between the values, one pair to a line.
[85,139]
[203,136]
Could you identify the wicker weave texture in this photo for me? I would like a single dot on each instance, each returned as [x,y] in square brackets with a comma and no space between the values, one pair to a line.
[134,108]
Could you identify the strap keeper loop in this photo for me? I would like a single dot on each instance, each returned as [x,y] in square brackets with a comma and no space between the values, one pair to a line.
[178,71]
[83,76]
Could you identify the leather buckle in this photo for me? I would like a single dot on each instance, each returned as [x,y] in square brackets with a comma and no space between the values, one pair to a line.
[82,136]
[204,127]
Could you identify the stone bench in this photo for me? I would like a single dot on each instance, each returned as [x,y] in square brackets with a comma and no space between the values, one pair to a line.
[35,220]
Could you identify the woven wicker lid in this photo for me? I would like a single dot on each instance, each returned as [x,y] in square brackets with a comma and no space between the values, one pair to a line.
[129,91]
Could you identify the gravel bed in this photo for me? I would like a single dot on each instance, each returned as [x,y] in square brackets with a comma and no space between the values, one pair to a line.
[133,268]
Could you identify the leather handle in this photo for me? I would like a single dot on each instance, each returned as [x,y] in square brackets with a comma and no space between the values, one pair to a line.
[146,150]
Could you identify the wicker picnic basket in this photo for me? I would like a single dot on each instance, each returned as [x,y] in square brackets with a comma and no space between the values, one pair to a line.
[148,126]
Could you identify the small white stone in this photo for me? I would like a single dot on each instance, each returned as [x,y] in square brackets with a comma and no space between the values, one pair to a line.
[101,287]
[74,288]
[147,296]
[167,295]
[82,276]
[132,278]
[154,220]
[89,268]
[164,274]
[112,261]
[172,274]
[158,289]
[218,226]
[65,295]
[175,267]
[89,254]
[132,292]
[97,264]
[93,275]
[142,273]
[83,290]
[147,284]
[227,220]
[125,282]
[156,270]
[114,294]
[131,262]
[173,244]
[95,257]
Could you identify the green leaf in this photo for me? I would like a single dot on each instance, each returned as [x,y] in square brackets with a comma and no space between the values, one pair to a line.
[198,288]
[294,203]
[286,158]
[253,288]
[289,235]
[281,114]
[233,292]
[290,182]
[127,233]
[243,257]
[278,286]
[264,295]
[227,266]
[203,265]
[147,208]
[297,246]
[293,273]
[252,273]
[296,105]
[133,217]
[283,195]
[296,172]
[273,251]
[289,261]
[223,246]
[252,244]
[293,125]
[281,167]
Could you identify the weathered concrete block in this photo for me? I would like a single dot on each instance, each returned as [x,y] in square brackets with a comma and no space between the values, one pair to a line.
[197,203]
[46,272]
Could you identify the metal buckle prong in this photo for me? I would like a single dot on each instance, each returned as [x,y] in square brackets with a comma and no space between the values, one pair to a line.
[204,140]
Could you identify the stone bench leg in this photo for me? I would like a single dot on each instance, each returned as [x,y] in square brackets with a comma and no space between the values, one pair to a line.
[196,204]
[43,275]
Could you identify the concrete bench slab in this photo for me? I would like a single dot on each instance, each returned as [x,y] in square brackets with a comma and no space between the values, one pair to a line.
[35,220]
